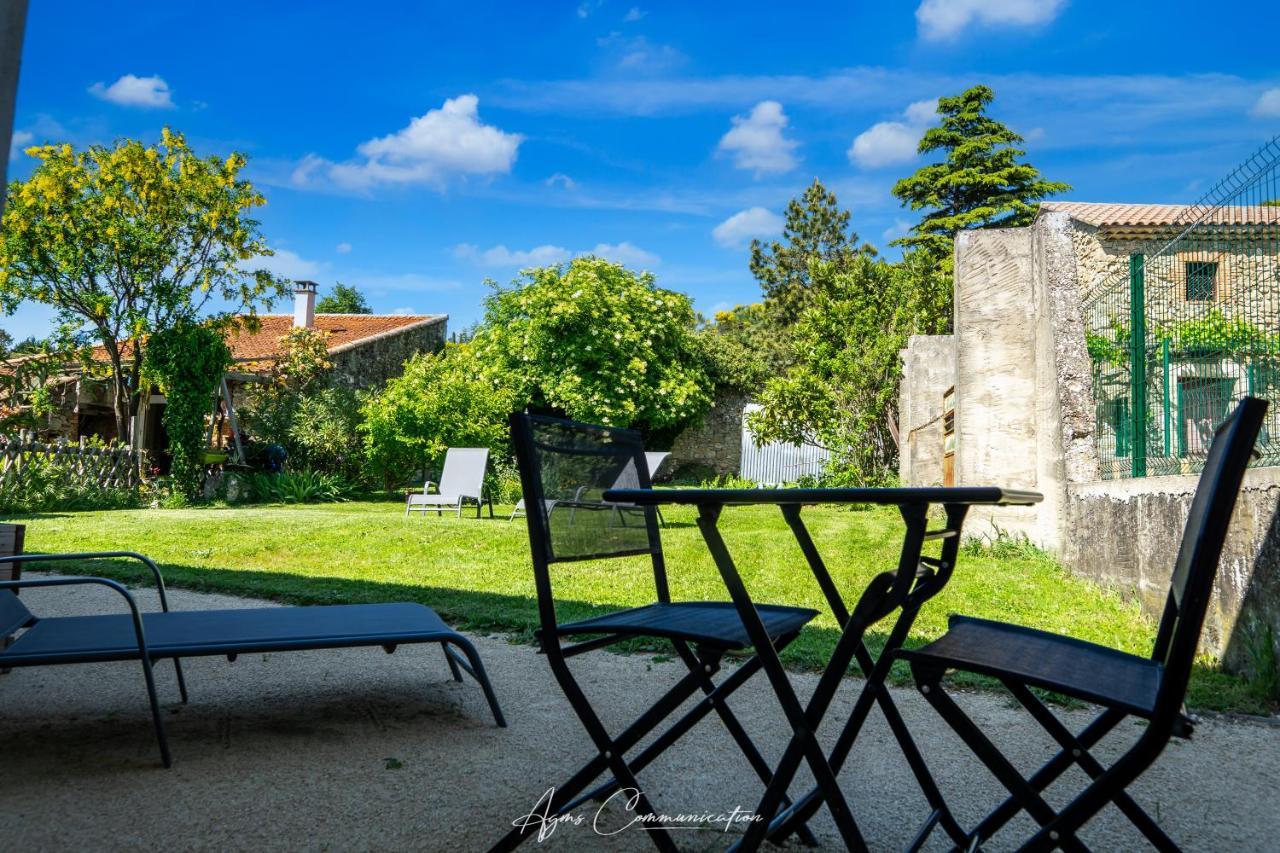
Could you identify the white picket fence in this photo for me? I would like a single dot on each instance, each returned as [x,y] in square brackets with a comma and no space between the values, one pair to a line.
[108,467]
[776,463]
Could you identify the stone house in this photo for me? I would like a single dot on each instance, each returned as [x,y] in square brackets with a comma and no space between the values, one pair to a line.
[365,351]
[1013,397]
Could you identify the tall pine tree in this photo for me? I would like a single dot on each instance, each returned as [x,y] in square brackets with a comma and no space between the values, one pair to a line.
[979,184]
[816,229]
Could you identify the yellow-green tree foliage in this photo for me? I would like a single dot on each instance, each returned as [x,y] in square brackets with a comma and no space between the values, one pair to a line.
[126,240]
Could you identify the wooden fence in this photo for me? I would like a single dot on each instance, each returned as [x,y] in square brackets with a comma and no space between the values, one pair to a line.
[114,467]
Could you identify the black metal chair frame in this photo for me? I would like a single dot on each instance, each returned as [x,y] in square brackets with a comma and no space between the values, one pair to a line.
[703,661]
[1173,654]
[19,618]
[916,579]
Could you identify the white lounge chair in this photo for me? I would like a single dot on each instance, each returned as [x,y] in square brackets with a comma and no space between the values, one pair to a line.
[461,482]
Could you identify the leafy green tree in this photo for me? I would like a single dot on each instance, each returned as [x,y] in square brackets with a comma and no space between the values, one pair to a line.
[6,344]
[816,229]
[345,299]
[449,399]
[842,392]
[600,343]
[980,183]
[187,361]
[129,240]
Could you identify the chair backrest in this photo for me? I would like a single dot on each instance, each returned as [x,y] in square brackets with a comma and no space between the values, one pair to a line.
[565,468]
[463,472]
[1197,564]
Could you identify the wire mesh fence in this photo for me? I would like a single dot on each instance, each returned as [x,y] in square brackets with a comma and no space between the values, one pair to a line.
[1190,326]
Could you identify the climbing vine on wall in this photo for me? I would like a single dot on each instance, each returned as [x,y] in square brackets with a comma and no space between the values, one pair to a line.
[187,362]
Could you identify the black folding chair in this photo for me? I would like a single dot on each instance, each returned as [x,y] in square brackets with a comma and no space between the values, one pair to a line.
[1124,685]
[565,468]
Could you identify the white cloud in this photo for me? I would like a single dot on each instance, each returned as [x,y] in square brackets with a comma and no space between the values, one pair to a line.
[561,179]
[131,91]
[940,20]
[756,142]
[899,228]
[888,143]
[625,253]
[20,139]
[290,265]
[745,224]
[501,256]
[343,248]
[1268,105]
[445,142]
[637,53]
[634,14]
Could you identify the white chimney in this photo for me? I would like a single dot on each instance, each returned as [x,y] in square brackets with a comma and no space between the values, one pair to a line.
[304,304]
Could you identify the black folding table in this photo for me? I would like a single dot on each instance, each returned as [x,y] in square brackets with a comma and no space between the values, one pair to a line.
[916,579]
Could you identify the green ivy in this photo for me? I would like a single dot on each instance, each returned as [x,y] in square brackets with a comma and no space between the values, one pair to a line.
[187,362]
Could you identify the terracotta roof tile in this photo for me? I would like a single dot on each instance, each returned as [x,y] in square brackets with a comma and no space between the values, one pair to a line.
[345,331]
[1108,215]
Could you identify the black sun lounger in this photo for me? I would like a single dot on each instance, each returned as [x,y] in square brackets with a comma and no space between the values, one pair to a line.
[150,637]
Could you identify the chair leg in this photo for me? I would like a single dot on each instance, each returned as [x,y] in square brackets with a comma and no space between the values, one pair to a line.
[475,668]
[1049,772]
[610,751]
[182,682]
[929,682]
[453,666]
[156,719]
[1068,742]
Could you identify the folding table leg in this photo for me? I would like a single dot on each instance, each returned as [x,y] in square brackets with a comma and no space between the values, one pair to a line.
[803,720]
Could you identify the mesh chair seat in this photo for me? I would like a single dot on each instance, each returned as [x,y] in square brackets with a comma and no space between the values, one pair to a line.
[708,623]
[1051,661]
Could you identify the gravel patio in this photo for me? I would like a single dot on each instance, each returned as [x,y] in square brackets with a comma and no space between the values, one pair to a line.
[359,750]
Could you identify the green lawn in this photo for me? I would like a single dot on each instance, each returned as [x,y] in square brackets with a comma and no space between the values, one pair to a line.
[477,574]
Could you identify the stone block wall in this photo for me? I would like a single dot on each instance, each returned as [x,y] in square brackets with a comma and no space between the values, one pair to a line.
[929,369]
[373,361]
[717,441]
[1127,534]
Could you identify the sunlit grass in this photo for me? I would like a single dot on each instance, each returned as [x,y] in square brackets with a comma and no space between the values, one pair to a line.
[477,574]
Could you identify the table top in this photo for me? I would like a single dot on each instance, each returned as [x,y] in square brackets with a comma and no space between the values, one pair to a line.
[974,495]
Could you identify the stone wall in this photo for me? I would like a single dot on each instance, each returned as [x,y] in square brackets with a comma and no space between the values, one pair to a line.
[373,361]
[928,370]
[717,441]
[1133,530]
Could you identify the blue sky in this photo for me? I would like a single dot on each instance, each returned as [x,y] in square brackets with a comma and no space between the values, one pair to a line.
[414,149]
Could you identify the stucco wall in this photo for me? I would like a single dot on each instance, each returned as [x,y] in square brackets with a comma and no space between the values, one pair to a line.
[373,362]
[929,369]
[1127,535]
[996,371]
[717,441]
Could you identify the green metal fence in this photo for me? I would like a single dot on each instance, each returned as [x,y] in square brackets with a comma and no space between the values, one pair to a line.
[1189,325]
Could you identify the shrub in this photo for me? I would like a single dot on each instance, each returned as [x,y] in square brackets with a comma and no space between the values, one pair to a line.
[324,433]
[304,486]
[187,361]
[599,342]
[450,399]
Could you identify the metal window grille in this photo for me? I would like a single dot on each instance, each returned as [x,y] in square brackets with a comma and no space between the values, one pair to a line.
[1188,326]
